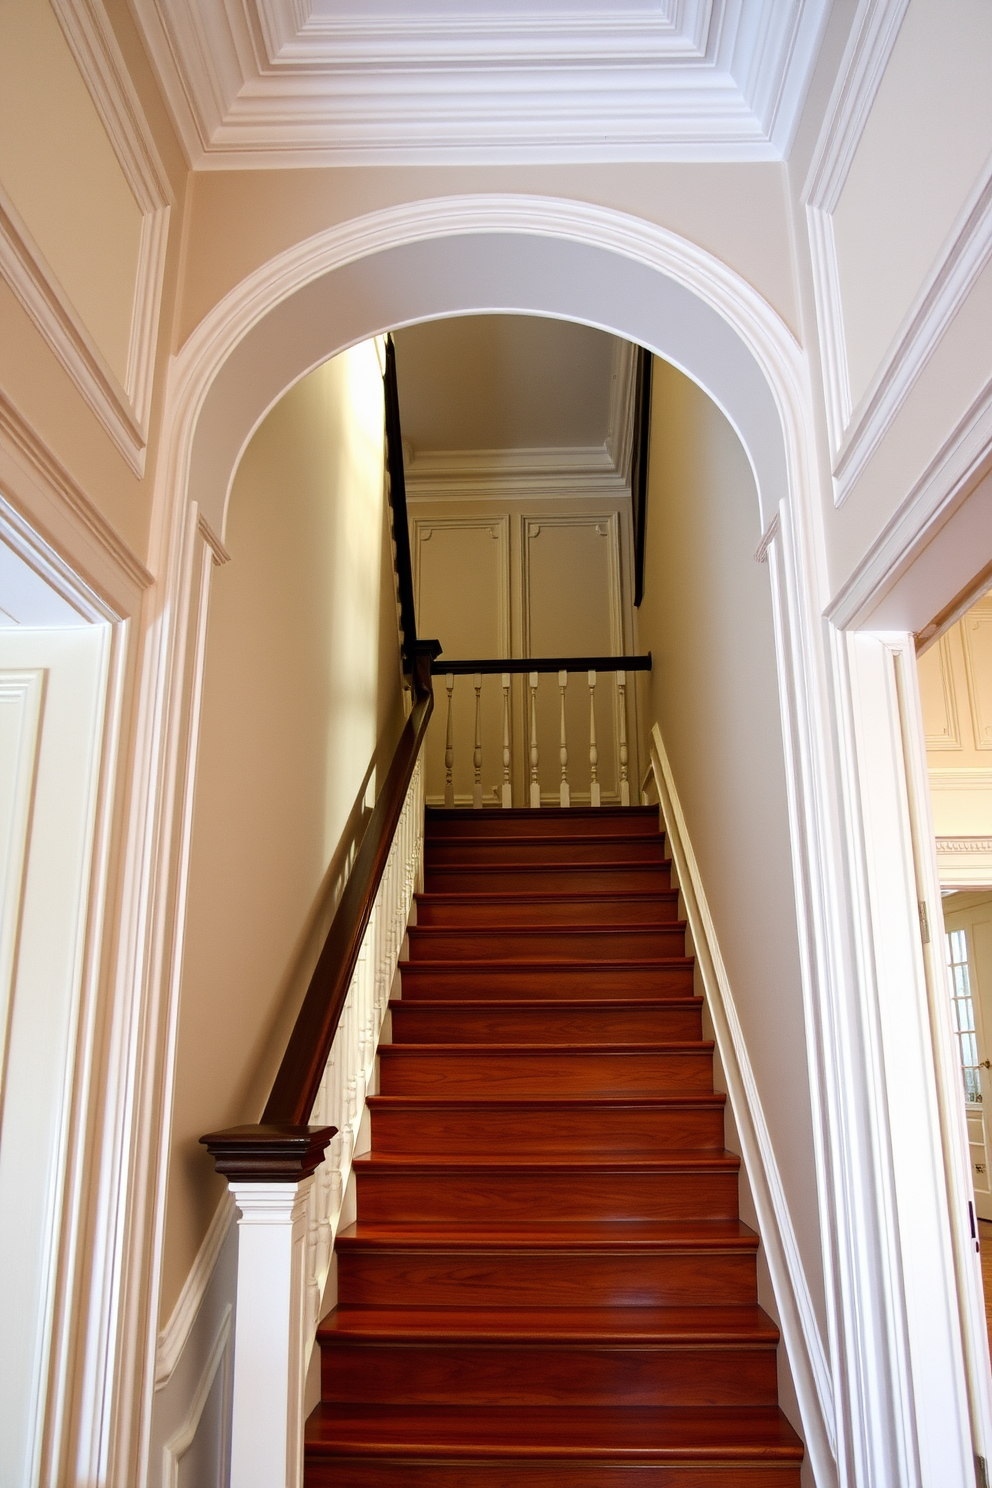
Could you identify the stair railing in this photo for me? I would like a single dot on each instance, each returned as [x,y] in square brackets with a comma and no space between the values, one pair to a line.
[289,1172]
[533,668]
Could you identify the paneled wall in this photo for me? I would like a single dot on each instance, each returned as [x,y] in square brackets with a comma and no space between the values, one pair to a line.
[525,577]
[956,694]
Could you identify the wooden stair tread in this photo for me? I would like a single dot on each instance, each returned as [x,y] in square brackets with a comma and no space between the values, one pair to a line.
[678,1160]
[663,1101]
[539,1004]
[604,1433]
[540,896]
[655,1326]
[558,962]
[601,1235]
[680,1046]
[431,932]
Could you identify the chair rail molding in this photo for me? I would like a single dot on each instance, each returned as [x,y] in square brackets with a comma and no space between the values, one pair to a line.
[759,376]
[801,1334]
[175,1335]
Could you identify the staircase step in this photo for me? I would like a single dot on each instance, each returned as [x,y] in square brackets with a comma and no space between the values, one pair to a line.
[561,878]
[550,821]
[480,910]
[549,1356]
[536,1069]
[554,1126]
[530,1022]
[565,1265]
[556,943]
[544,980]
[668,1186]
[377,1446]
[496,849]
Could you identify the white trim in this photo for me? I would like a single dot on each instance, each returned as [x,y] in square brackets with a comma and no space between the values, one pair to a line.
[964,779]
[122,409]
[801,1335]
[560,473]
[175,1335]
[271,83]
[769,535]
[964,862]
[944,484]
[180,1443]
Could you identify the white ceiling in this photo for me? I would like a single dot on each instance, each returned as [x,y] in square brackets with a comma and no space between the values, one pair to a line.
[262,82]
[504,382]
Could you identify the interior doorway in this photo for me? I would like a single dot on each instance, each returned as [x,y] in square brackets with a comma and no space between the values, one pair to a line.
[955,671]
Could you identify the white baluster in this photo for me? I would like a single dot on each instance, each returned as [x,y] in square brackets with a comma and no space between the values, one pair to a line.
[477,752]
[622,705]
[449,752]
[563,793]
[594,791]
[507,794]
[535,784]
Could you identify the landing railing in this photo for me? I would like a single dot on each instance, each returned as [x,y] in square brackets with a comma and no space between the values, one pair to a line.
[588,669]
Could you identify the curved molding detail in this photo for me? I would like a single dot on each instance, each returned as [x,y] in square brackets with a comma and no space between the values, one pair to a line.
[761,330]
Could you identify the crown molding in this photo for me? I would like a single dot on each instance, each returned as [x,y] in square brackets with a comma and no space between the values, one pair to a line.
[282,82]
[554,473]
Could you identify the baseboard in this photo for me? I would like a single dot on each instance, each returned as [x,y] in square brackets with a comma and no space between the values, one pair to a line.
[800,1332]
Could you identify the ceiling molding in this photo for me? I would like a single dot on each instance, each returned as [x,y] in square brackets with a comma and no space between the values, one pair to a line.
[474,475]
[305,82]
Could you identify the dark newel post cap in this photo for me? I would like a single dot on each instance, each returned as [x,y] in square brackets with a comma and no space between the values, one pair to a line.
[421,656]
[275,1153]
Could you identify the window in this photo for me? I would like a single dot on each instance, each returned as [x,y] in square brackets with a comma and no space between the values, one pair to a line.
[963,1013]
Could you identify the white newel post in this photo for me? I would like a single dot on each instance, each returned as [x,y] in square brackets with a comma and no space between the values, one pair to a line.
[270,1170]
[266,1437]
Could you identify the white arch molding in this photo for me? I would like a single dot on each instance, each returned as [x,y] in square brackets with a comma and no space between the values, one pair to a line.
[571,260]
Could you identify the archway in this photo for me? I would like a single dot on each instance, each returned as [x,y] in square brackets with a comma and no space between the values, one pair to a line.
[637,281]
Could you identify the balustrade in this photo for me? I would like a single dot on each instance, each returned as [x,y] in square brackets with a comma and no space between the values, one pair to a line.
[570,784]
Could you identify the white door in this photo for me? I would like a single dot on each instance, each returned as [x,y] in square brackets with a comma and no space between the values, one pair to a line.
[968,923]
[52,697]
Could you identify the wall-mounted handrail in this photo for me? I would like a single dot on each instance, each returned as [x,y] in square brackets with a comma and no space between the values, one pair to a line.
[397,500]
[523,664]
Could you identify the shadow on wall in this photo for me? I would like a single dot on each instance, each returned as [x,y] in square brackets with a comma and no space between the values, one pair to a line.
[301,693]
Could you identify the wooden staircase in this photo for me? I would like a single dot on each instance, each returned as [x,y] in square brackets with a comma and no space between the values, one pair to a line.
[548,1284]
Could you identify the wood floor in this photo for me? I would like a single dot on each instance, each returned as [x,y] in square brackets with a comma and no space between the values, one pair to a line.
[548,1283]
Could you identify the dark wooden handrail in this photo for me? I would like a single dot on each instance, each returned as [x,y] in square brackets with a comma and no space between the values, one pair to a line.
[493,665]
[397,500]
[297,1081]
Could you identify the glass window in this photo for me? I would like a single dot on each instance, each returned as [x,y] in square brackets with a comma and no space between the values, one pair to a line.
[963,1013]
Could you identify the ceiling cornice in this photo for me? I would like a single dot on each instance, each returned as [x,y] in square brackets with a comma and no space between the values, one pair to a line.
[307,82]
[473,475]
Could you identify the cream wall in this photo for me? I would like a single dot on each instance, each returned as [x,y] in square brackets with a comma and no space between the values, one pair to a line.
[301,694]
[706,617]
[240,219]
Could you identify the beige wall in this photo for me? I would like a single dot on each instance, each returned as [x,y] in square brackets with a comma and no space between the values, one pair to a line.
[301,687]
[927,138]
[240,219]
[58,168]
[706,617]
[924,148]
